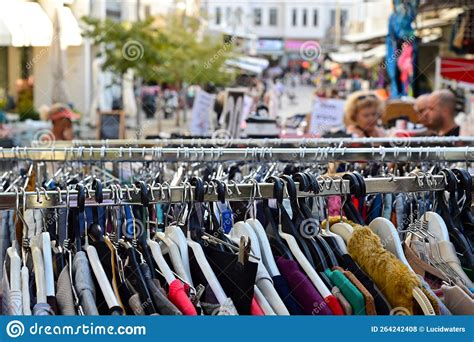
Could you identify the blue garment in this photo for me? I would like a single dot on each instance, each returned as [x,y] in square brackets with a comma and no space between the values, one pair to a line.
[387,206]
[283,290]
[375,209]
[400,210]
[400,31]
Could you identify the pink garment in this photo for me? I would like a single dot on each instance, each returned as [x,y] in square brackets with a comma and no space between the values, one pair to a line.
[177,295]
[405,63]
[255,308]
[334,205]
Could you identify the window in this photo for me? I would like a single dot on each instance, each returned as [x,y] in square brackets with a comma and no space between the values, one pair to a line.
[343,19]
[257,16]
[218,16]
[305,17]
[294,17]
[238,15]
[228,14]
[315,17]
[273,17]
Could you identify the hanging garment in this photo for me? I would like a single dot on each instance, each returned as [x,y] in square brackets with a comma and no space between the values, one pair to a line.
[178,296]
[458,301]
[281,286]
[225,309]
[7,235]
[346,306]
[368,299]
[352,294]
[382,306]
[443,310]
[236,279]
[12,301]
[263,302]
[64,294]
[136,305]
[429,273]
[387,206]
[389,273]
[302,289]
[255,309]
[84,284]
[162,303]
[42,309]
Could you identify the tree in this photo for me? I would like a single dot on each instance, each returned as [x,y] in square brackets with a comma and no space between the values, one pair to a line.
[170,53]
[128,46]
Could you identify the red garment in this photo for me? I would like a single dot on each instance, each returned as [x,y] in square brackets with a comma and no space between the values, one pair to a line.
[255,308]
[177,295]
[334,305]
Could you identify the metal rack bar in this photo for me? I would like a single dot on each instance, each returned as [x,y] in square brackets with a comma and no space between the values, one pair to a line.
[270,142]
[194,154]
[176,194]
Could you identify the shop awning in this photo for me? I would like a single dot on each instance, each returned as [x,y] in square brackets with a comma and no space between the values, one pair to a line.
[442,18]
[458,69]
[70,30]
[24,24]
[365,36]
[368,57]
[250,64]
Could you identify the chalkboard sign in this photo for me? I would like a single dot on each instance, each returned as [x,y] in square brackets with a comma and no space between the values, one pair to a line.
[111,125]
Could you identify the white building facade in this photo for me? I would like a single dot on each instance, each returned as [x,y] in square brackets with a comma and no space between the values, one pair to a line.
[283,26]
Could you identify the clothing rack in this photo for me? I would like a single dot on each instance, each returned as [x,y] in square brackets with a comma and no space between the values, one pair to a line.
[220,154]
[270,142]
[42,199]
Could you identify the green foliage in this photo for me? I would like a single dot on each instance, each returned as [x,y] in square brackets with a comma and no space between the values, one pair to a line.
[175,54]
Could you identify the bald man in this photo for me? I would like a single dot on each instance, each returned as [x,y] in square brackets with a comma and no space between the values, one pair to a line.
[441,113]
[422,107]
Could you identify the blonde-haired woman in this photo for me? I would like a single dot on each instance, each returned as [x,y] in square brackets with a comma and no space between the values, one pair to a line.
[361,114]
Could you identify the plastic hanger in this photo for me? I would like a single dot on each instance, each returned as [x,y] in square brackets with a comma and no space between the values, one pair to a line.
[197,248]
[175,256]
[265,250]
[48,264]
[284,222]
[272,231]
[94,229]
[93,257]
[295,249]
[38,265]
[388,235]
[303,218]
[158,258]
[342,229]
[177,236]
[12,252]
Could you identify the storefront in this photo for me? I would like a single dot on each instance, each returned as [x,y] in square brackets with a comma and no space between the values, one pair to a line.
[26,35]
[295,58]
[271,48]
